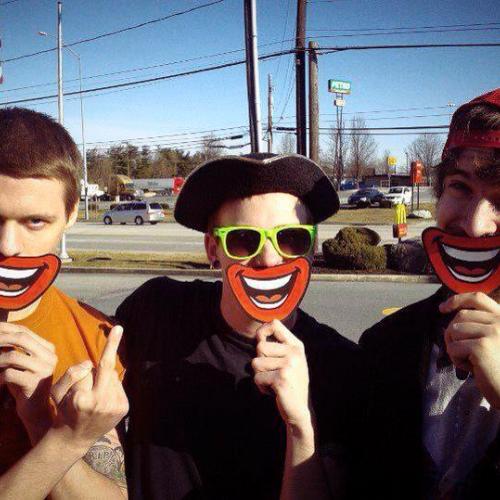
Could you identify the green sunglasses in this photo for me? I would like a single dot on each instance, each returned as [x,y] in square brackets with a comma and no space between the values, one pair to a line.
[245,242]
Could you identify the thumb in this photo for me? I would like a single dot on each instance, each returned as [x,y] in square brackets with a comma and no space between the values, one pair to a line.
[72,376]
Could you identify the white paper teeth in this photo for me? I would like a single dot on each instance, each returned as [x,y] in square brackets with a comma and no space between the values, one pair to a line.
[17,274]
[267,284]
[471,255]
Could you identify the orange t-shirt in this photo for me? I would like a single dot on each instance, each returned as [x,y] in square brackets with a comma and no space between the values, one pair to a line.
[78,333]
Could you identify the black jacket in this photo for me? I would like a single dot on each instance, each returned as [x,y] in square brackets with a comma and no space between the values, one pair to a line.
[396,464]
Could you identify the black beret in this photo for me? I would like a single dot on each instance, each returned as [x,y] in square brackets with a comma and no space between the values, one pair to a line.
[231,177]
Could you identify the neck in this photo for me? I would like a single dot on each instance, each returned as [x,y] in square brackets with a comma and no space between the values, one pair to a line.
[11,316]
[239,321]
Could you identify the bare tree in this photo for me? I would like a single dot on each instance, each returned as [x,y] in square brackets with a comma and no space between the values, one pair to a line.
[336,153]
[100,167]
[287,144]
[426,148]
[362,148]
[382,166]
[211,148]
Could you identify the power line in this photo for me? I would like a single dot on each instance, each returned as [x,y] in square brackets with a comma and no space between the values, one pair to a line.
[375,111]
[328,50]
[116,32]
[367,129]
[177,134]
[408,27]
[413,32]
[394,134]
[400,117]
[144,68]
[283,36]
[397,110]
[321,51]
[148,80]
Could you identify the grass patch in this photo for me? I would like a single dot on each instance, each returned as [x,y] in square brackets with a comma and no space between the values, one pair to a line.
[83,258]
[375,215]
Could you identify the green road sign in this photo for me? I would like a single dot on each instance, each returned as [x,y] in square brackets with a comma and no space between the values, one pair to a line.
[339,86]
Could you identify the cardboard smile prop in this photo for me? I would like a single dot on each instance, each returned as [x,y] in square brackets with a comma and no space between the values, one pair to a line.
[270,293]
[23,280]
[464,264]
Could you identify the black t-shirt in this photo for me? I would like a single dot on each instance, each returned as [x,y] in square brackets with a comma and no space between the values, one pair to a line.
[198,426]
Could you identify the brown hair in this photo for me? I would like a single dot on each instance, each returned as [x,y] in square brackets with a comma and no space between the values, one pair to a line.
[34,145]
[475,117]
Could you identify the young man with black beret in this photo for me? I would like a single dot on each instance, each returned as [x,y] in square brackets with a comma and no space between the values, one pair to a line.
[225,404]
[435,411]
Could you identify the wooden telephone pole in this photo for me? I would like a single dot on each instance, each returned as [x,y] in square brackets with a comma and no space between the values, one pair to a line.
[269,114]
[300,78]
[313,103]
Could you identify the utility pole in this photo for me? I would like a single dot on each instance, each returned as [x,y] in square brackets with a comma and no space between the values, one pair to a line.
[313,103]
[252,64]
[300,78]
[60,104]
[269,114]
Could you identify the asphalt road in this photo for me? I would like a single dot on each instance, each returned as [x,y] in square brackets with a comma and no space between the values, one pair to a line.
[172,237]
[348,307]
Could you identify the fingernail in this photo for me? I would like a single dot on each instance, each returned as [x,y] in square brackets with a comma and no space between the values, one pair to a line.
[118,329]
[85,365]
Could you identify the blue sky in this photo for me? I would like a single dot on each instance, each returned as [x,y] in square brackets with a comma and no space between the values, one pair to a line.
[390,87]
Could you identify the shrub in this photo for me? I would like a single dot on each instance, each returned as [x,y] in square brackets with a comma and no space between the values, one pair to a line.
[408,257]
[352,248]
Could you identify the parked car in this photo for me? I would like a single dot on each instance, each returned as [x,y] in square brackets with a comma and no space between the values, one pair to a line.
[397,195]
[137,211]
[365,197]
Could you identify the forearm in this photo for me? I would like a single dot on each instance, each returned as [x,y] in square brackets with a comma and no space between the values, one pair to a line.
[99,474]
[81,482]
[303,476]
[99,469]
[36,474]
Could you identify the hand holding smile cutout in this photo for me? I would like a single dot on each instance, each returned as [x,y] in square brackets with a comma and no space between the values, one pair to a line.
[27,363]
[281,368]
[472,340]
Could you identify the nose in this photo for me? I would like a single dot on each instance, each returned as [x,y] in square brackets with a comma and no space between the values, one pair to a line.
[268,256]
[10,240]
[481,219]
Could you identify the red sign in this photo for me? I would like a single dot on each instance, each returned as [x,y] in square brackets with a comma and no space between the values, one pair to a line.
[399,230]
[416,172]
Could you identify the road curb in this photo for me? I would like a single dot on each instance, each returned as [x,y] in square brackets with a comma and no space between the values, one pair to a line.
[214,273]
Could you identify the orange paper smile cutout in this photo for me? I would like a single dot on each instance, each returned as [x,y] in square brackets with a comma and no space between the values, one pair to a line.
[23,280]
[464,264]
[272,292]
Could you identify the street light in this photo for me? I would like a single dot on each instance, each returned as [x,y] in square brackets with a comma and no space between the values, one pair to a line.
[84,152]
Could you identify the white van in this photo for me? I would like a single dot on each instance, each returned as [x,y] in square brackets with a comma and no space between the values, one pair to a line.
[398,195]
[138,212]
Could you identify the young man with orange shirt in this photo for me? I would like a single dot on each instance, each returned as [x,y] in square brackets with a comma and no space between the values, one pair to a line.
[60,393]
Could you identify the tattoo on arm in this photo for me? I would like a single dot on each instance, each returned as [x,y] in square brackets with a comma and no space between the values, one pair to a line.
[107,459]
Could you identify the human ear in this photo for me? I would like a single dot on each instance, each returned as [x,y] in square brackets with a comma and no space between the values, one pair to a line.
[72,217]
[211,250]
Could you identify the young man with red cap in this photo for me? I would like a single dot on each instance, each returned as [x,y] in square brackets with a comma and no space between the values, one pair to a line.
[229,381]
[435,407]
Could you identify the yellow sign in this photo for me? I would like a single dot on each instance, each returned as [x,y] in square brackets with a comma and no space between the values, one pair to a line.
[399,214]
[391,161]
